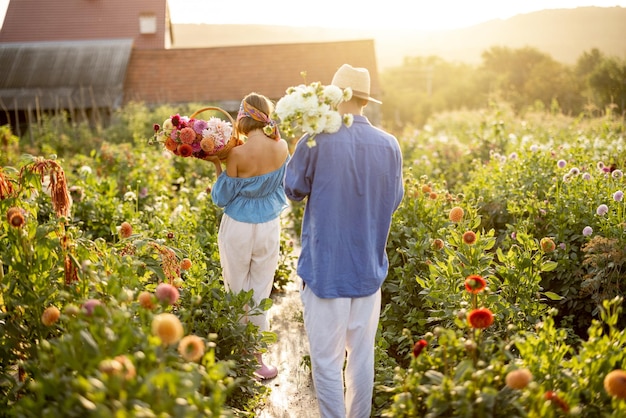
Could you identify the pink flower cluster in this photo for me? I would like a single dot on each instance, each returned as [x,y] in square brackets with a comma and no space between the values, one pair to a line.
[191,137]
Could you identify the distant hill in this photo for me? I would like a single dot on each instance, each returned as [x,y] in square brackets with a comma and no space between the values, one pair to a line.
[564,34]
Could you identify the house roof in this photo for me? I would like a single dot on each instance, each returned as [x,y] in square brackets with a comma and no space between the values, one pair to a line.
[227,74]
[68,20]
[63,75]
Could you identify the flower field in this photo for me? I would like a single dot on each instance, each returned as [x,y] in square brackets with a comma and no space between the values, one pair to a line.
[504,295]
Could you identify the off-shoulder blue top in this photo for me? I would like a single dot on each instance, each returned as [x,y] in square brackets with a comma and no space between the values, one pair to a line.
[253,200]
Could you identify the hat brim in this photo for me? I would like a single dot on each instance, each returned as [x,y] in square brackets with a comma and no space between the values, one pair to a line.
[366,97]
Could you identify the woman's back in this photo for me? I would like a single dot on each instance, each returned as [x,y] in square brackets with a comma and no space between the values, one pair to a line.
[259,155]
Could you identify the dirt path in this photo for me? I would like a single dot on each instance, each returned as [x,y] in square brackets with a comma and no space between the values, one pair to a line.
[292,394]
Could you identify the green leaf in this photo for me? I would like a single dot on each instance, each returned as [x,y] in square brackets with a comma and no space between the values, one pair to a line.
[553,296]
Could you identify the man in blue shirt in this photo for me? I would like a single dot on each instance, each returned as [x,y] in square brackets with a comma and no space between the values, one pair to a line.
[352,182]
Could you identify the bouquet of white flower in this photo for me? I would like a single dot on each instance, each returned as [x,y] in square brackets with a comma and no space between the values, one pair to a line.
[312,109]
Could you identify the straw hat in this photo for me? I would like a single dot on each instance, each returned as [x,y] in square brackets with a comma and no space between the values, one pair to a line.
[358,79]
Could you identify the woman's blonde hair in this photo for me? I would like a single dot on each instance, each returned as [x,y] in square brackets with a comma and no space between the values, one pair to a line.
[260,102]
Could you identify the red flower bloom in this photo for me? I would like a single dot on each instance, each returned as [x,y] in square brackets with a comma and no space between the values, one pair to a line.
[185,150]
[475,284]
[156,127]
[418,347]
[176,120]
[558,401]
[480,318]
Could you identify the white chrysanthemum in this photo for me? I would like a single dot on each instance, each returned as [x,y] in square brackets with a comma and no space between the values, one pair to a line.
[333,93]
[333,122]
[312,124]
[348,119]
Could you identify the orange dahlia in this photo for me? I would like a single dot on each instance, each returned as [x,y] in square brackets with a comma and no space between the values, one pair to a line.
[187,135]
[518,379]
[615,384]
[207,145]
[126,230]
[480,318]
[475,283]
[128,368]
[167,327]
[191,348]
[426,188]
[456,214]
[185,264]
[50,316]
[469,237]
[145,300]
[438,244]
[170,144]
[547,245]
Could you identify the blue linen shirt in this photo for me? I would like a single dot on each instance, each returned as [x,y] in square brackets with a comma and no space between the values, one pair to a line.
[352,180]
[253,200]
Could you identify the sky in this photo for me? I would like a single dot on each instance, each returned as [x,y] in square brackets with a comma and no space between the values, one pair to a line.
[380,14]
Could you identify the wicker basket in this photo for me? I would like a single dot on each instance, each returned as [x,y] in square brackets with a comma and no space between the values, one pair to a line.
[234,140]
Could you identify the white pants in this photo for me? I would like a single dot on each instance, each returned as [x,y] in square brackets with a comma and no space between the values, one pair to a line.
[249,258]
[342,330]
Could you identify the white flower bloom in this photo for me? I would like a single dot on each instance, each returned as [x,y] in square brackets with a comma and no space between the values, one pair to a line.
[85,170]
[130,196]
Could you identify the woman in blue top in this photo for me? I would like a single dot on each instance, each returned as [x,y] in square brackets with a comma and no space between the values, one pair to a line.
[251,191]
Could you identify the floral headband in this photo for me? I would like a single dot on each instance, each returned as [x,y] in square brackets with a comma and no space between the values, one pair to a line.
[246,110]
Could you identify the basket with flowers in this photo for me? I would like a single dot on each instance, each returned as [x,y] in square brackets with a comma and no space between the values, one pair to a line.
[190,136]
[312,109]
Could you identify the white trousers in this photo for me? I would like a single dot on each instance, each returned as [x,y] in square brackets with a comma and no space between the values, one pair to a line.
[249,258]
[342,331]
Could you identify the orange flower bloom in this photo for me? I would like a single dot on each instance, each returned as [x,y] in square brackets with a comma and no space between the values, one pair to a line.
[207,145]
[426,188]
[469,237]
[128,368]
[191,348]
[185,150]
[518,379]
[126,230]
[50,316]
[145,300]
[615,384]
[170,144]
[480,318]
[547,245]
[432,196]
[167,327]
[456,214]
[187,135]
[475,283]
[15,216]
[185,264]
[438,244]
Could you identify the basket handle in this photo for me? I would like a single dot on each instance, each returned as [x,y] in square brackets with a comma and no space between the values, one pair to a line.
[204,109]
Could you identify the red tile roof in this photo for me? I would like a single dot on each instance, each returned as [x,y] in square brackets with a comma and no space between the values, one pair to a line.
[229,73]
